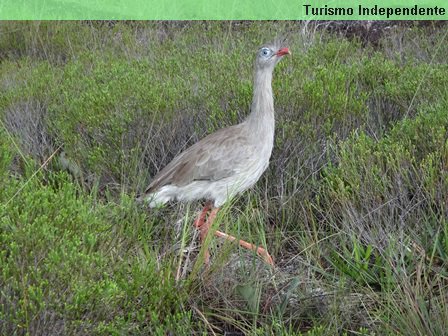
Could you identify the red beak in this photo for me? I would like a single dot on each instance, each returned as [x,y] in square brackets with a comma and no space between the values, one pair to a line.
[283,52]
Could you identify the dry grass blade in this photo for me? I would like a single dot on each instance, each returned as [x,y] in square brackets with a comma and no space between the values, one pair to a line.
[42,166]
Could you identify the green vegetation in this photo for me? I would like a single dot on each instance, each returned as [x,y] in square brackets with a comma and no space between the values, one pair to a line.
[354,206]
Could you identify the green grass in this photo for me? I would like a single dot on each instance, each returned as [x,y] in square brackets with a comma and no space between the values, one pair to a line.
[353,206]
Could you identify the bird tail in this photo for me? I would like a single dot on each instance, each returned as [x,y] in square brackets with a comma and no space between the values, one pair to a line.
[141,199]
[149,200]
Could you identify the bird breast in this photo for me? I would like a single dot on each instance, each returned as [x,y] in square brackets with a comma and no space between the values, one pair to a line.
[257,162]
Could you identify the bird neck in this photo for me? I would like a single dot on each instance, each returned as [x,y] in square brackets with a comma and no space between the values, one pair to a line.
[261,118]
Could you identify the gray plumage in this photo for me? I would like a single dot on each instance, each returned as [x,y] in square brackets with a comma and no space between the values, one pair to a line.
[230,160]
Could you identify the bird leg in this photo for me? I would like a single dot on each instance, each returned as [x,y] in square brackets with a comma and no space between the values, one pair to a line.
[204,225]
[258,249]
[201,217]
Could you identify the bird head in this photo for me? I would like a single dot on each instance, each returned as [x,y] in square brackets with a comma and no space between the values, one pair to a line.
[269,55]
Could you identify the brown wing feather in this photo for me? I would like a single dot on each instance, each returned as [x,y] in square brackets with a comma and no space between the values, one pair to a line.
[217,156]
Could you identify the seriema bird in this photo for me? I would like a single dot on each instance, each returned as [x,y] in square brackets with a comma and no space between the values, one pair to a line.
[228,161]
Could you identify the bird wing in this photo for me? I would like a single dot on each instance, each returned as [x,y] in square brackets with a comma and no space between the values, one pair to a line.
[217,156]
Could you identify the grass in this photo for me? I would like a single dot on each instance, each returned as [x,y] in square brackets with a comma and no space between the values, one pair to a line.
[353,206]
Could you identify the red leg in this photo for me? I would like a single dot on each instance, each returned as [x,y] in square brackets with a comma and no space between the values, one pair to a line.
[259,250]
[204,225]
[201,217]
[209,222]
[204,231]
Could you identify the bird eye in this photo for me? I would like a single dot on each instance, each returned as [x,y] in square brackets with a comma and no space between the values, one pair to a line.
[265,51]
